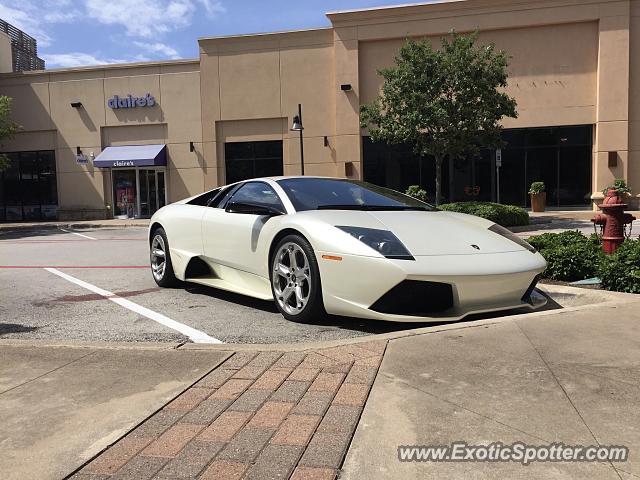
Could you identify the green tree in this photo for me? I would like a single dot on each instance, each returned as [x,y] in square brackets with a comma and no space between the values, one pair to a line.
[445,103]
[8,127]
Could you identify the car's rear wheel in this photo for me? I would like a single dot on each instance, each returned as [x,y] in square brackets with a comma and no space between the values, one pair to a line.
[161,266]
[295,280]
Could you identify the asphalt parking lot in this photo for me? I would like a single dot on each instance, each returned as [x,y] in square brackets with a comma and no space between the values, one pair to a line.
[39,303]
[55,286]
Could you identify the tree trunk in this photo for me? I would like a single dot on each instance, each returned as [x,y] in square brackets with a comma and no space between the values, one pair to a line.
[438,179]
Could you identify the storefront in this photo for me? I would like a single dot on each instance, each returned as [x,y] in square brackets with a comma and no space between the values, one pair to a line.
[561,157]
[227,115]
[137,178]
[28,187]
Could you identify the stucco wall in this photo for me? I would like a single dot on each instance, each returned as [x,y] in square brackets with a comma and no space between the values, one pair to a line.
[42,105]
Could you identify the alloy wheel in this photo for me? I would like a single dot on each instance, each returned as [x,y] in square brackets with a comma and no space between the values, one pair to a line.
[158,257]
[291,278]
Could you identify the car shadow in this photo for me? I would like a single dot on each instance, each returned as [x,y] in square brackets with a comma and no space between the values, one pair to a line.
[362,325]
[6,328]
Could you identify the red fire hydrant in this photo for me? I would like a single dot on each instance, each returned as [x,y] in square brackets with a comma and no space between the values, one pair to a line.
[612,221]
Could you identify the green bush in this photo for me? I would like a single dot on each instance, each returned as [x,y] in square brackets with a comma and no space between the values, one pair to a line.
[536,187]
[554,240]
[570,255]
[505,215]
[620,272]
[416,192]
[619,185]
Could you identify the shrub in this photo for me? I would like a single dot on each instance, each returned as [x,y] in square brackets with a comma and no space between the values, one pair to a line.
[619,185]
[416,192]
[620,272]
[505,215]
[536,187]
[554,240]
[570,255]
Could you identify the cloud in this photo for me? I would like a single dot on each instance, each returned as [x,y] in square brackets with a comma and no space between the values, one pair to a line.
[158,48]
[213,7]
[29,16]
[79,59]
[149,18]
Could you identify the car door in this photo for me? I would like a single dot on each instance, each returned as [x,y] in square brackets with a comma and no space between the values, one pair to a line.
[231,239]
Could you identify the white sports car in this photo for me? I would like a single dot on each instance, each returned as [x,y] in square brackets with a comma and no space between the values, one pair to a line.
[343,247]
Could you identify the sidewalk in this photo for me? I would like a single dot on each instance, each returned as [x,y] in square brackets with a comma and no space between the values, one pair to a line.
[112,223]
[60,406]
[571,377]
[267,415]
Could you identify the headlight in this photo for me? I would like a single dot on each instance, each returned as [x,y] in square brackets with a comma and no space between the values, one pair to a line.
[382,241]
[500,230]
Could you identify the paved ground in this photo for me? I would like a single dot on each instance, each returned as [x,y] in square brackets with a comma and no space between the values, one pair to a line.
[566,376]
[571,377]
[42,305]
[258,416]
[51,305]
[61,406]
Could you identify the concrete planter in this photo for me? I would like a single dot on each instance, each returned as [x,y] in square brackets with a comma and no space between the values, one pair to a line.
[538,201]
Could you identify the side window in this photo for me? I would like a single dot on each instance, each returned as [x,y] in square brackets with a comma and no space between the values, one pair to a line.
[223,196]
[258,193]
[205,198]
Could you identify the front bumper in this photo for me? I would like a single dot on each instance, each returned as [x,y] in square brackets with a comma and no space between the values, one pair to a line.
[478,283]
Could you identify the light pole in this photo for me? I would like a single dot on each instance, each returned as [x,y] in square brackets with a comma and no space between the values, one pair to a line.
[297,127]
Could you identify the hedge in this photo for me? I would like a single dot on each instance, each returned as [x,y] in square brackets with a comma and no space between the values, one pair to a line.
[620,272]
[573,256]
[505,215]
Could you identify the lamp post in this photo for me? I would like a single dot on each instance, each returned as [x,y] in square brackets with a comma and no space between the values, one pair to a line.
[297,127]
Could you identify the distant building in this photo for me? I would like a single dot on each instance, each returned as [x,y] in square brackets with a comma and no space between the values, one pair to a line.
[24,49]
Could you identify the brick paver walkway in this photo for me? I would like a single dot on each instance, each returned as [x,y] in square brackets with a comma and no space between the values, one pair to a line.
[262,416]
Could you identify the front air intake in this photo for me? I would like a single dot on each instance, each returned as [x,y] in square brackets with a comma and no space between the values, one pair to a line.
[415,298]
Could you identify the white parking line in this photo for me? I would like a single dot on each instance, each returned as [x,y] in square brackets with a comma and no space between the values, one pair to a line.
[79,234]
[195,335]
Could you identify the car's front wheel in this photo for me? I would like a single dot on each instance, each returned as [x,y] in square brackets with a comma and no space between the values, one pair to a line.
[295,280]
[161,266]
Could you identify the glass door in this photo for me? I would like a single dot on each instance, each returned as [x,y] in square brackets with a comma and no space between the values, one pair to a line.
[152,191]
[124,193]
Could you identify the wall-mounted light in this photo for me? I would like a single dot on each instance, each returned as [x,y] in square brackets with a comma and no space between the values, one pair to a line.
[76,104]
[326,141]
[345,87]
[78,151]
[192,148]
[612,159]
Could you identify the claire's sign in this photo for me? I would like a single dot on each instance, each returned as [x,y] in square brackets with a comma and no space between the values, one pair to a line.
[131,101]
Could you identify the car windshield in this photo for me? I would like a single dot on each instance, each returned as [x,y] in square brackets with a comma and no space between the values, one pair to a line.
[338,194]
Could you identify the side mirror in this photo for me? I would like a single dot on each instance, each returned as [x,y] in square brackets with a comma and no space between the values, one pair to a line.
[253,209]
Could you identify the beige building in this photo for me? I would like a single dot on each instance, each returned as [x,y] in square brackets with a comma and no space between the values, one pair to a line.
[227,115]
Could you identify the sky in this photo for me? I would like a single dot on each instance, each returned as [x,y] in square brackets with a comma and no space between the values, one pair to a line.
[74,33]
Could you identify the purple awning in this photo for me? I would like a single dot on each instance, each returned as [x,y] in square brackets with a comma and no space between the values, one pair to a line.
[132,156]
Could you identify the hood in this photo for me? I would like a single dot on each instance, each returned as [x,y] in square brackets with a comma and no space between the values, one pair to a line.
[427,233]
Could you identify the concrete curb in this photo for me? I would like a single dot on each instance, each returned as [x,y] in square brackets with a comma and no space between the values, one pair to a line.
[76,226]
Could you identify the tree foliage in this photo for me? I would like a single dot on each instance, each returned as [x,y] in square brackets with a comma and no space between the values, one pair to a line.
[444,103]
[8,127]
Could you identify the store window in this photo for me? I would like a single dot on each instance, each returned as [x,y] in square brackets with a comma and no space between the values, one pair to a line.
[561,157]
[28,189]
[244,160]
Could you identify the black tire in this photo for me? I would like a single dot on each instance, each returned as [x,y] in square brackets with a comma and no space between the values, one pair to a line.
[313,309]
[166,278]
